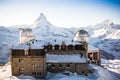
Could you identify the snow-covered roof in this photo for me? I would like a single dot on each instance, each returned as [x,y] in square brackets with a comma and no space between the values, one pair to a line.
[92,48]
[21,47]
[36,46]
[76,58]
[59,42]
[40,45]
[26,46]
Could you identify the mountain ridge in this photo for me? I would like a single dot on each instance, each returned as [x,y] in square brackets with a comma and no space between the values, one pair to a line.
[44,30]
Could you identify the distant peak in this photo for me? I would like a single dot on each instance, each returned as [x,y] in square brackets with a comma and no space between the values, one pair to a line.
[41,14]
[107,22]
[41,19]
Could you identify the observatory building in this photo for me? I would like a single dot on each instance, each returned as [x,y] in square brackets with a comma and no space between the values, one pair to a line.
[36,58]
[26,35]
[81,36]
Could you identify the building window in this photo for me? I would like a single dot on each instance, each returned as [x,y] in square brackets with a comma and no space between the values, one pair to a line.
[36,66]
[33,73]
[48,65]
[91,56]
[68,65]
[53,66]
[60,66]
[20,60]
[39,73]
[33,66]
[21,70]
[56,47]
[95,56]
[26,52]
[40,65]
[70,47]
[63,47]
[82,72]
[36,73]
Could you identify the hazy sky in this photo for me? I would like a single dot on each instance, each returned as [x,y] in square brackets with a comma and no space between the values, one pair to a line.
[62,13]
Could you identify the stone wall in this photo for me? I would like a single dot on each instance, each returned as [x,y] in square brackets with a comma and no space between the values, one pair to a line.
[79,68]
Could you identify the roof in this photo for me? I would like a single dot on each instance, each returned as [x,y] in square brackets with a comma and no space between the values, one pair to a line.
[27,45]
[82,33]
[92,48]
[59,42]
[75,58]
[81,36]
[21,47]
[40,45]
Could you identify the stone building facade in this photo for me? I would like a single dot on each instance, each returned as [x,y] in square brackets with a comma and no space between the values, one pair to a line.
[67,57]
[36,59]
[94,55]
[30,62]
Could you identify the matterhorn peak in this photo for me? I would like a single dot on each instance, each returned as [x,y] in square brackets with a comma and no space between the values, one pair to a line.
[41,18]
[41,21]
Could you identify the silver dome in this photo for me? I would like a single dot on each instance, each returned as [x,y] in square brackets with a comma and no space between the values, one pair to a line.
[26,35]
[81,36]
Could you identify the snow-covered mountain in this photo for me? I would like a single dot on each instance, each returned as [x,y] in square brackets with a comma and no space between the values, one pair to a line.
[105,35]
[8,37]
[44,29]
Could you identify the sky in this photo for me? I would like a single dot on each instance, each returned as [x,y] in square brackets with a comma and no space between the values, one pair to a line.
[62,13]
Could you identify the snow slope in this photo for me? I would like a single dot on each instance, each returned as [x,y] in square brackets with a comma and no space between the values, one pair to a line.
[100,74]
[8,37]
[106,36]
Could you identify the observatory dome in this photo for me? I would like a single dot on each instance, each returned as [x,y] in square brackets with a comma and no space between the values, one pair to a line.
[81,36]
[26,35]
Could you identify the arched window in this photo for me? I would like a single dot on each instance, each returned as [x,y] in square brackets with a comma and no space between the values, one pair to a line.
[60,66]
[38,73]
[70,47]
[68,65]
[26,52]
[56,47]
[53,66]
